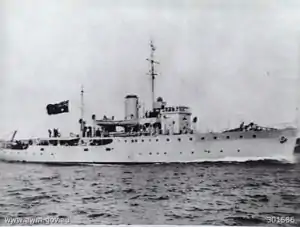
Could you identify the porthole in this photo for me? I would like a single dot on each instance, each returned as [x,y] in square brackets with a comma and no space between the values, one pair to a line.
[241,136]
[150,153]
[221,151]
[179,139]
[180,152]
[215,137]
[41,153]
[202,138]
[86,149]
[168,139]
[140,153]
[136,140]
[52,154]
[192,152]
[254,136]
[157,153]
[125,141]
[238,150]
[191,139]
[165,152]
[18,152]
[132,141]
[156,140]
[142,140]
[149,140]
[42,149]
[227,137]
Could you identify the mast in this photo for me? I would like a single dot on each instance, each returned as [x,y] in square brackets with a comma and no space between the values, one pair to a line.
[14,135]
[152,72]
[82,112]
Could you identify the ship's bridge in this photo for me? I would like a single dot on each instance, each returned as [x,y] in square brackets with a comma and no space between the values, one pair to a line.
[175,119]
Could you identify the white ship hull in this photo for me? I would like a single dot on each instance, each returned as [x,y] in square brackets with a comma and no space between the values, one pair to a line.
[230,146]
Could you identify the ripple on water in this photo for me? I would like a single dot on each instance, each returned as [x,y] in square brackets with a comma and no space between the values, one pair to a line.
[214,193]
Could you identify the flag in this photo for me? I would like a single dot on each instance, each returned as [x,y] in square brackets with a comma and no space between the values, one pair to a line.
[58,108]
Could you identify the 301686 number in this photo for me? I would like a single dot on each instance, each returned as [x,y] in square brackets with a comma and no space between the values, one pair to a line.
[280,220]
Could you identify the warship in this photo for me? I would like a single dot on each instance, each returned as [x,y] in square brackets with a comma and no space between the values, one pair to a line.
[164,134]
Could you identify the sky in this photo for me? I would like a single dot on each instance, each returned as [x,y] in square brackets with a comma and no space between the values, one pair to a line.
[227,60]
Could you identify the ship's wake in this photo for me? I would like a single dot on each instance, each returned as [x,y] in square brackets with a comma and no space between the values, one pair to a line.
[274,159]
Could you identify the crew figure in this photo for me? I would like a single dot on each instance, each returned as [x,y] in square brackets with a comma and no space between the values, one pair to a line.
[84,131]
[50,132]
[54,132]
[98,133]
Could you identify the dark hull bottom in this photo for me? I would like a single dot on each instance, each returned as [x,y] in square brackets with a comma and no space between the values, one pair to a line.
[130,163]
[89,163]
